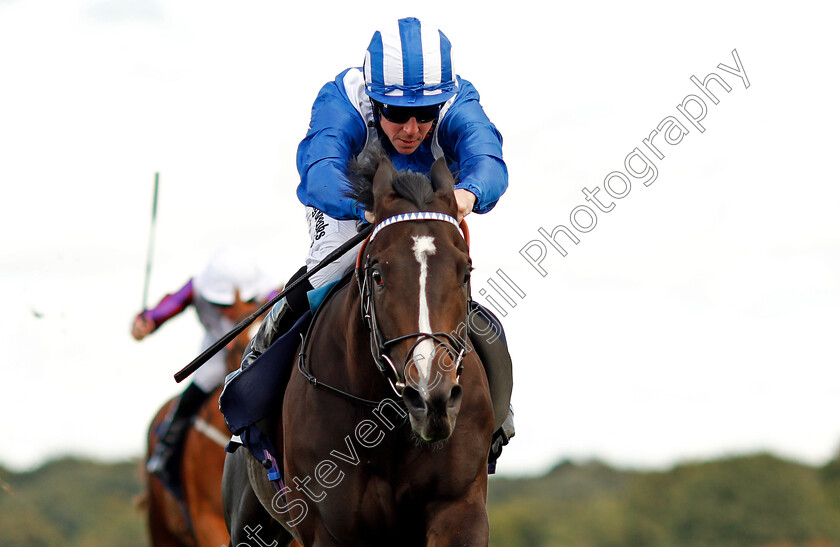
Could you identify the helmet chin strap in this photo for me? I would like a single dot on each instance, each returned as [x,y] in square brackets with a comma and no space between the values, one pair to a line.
[374,107]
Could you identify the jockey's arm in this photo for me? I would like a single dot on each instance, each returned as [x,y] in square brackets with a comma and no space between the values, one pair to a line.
[468,136]
[336,134]
[171,305]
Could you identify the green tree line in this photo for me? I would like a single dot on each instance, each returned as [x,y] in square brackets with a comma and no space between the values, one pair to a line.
[758,500]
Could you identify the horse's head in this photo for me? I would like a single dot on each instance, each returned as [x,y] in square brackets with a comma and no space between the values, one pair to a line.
[415,281]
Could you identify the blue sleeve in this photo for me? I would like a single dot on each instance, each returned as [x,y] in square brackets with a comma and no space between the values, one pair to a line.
[469,138]
[336,133]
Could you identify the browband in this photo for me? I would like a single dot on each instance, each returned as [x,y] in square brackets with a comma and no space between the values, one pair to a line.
[462,227]
[412,216]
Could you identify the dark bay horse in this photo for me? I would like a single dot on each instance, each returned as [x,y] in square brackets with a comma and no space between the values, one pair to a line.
[385,430]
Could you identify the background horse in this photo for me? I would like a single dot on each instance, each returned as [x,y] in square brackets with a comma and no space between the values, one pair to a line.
[398,458]
[198,520]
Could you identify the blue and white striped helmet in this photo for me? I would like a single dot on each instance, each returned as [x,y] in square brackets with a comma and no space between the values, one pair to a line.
[409,65]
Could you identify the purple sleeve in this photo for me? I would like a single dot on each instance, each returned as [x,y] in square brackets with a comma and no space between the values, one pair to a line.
[274,293]
[171,305]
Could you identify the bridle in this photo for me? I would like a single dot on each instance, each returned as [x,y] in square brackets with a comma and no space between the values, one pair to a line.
[379,346]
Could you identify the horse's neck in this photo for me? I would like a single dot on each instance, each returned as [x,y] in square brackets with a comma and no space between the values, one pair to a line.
[351,360]
[357,335]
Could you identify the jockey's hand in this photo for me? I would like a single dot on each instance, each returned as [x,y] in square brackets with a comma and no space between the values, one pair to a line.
[142,327]
[369,217]
[466,201]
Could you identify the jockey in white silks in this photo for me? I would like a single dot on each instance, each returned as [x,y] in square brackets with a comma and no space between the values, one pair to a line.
[231,284]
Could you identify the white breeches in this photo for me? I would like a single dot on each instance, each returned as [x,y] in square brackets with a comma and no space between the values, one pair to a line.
[211,374]
[326,234]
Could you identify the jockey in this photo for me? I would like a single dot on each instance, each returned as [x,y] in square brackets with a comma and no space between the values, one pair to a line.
[229,288]
[407,99]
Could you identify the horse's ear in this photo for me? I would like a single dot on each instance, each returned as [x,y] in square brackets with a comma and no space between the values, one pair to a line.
[442,180]
[382,180]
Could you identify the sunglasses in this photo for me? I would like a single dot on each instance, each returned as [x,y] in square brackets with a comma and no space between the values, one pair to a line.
[401,114]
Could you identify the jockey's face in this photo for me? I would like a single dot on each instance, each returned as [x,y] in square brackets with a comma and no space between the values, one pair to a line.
[406,137]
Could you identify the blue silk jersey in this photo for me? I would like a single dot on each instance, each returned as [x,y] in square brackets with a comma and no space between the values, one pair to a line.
[342,125]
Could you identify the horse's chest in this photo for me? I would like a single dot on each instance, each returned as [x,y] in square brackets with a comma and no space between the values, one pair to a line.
[398,495]
[390,508]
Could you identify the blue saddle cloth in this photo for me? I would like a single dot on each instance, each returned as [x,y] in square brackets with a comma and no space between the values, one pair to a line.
[256,392]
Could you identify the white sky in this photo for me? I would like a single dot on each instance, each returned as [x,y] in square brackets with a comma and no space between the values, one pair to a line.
[698,319]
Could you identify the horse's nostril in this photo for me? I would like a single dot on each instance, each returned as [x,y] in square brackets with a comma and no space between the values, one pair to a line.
[413,399]
[455,397]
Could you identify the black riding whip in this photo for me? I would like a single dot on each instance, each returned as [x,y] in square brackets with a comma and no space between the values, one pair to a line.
[235,331]
[151,244]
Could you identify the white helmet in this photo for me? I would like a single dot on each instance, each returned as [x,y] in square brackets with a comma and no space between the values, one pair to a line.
[230,269]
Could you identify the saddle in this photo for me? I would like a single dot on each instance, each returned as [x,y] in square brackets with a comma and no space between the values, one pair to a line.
[255,395]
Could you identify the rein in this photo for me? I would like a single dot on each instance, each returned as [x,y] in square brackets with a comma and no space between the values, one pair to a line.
[378,345]
[205,356]
[305,343]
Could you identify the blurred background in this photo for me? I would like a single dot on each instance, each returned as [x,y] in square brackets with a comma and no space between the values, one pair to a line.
[676,372]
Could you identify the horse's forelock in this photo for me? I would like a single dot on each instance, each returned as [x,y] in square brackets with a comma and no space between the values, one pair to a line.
[408,185]
[361,172]
[414,187]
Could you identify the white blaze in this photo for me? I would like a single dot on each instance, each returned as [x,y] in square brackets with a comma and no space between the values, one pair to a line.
[423,247]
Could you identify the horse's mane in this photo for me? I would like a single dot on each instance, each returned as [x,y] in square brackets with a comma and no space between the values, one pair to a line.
[409,185]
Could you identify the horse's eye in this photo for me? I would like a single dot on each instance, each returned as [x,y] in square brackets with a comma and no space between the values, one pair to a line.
[467,276]
[377,278]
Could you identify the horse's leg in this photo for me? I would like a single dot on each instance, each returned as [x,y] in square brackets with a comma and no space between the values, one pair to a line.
[164,519]
[208,521]
[210,530]
[201,479]
[160,535]
[460,523]
[246,519]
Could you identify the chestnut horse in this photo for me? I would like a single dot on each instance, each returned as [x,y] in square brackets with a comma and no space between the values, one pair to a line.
[357,472]
[198,520]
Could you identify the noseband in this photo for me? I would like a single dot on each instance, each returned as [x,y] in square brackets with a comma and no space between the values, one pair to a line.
[379,346]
